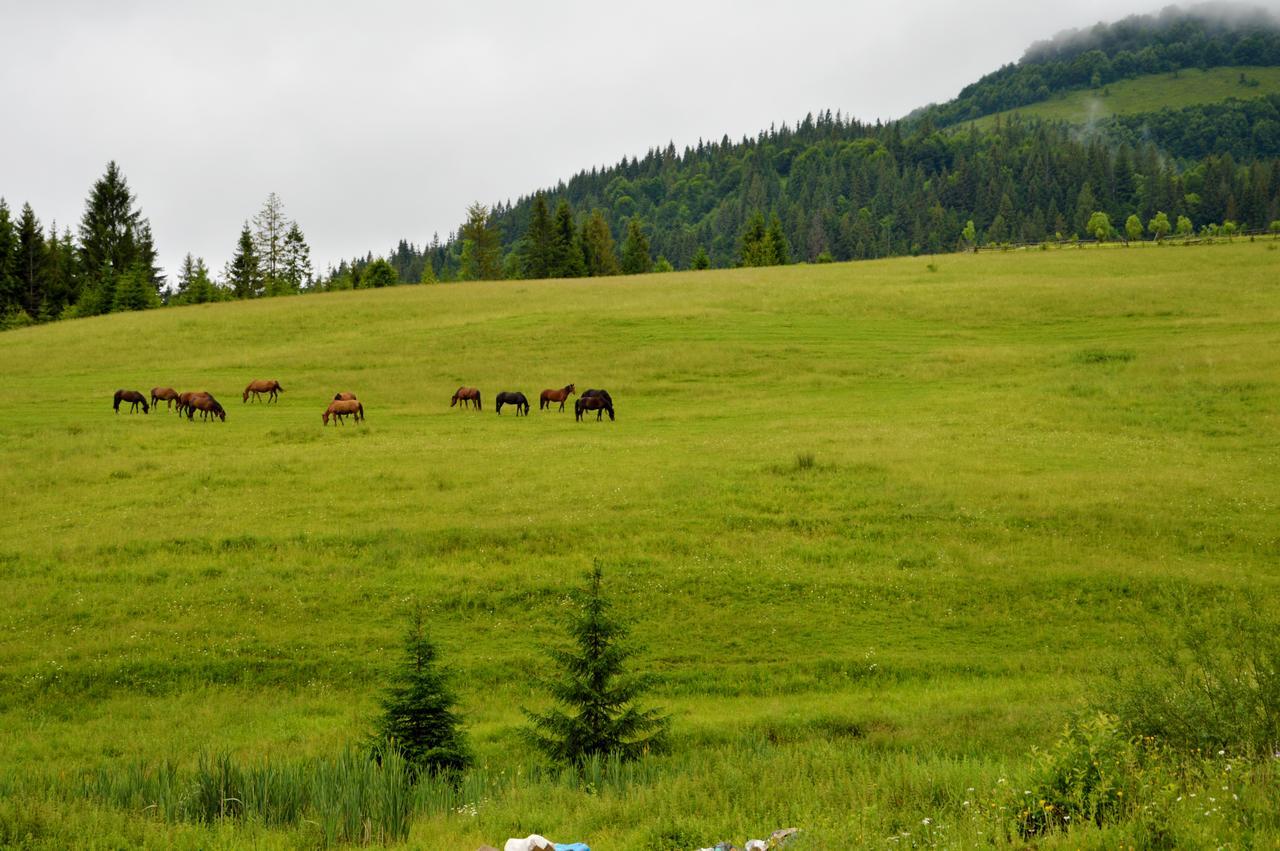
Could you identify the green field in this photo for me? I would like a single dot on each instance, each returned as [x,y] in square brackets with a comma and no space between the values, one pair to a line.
[1014,459]
[1151,93]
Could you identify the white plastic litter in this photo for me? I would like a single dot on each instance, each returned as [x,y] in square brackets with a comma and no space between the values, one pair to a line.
[532,842]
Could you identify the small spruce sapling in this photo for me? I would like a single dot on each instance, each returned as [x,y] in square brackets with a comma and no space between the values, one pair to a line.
[418,715]
[599,716]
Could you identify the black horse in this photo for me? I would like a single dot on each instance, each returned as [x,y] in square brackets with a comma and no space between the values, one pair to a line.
[594,400]
[517,399]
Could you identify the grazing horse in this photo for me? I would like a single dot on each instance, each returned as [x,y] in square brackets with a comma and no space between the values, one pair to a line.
[465,395]
[340,408]
[134,398]
[600,402]
[344,397]
[263,385]
[206,405]
[517,398]
[168,394]
[184,400]
[549,396]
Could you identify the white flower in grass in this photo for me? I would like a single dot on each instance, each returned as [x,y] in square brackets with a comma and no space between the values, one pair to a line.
[926,821]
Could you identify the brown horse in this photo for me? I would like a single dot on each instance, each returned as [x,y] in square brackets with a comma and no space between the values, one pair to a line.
[134,398]
[263,385]
[340,408]
[549,396]
[168,394]
[465,395]
[207,406]
[184,400]
[344,397]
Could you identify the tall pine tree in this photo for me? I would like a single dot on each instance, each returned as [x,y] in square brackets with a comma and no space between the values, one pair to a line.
[10,289]
[243,274]
[566,250]
[297,272]
[538,241]
[599,254]
[109,239]
[635,250]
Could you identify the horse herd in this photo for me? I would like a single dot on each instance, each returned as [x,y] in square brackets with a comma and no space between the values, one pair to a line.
[591,400]
[347,405]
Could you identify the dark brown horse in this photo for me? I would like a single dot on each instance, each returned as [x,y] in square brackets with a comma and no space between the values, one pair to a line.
[344,397]
[599,401]
[340,408]
[516,398]
[134,398]
[207,406]
[168,394]
[549,396]
[465,395]
[184,400]
[263,385]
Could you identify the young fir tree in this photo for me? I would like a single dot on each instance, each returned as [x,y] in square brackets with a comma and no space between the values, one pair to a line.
[598,251]
[481,246]
[599,715]
[635,250]
[701,260]
[418,715]
[133,290]
[566,251]
[10,290]
[297,271]
[243,273]
[538,241]
[31,258]
[778,246]
[754,246]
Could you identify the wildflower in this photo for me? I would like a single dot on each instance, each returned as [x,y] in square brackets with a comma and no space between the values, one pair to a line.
[926,821]
[965,804]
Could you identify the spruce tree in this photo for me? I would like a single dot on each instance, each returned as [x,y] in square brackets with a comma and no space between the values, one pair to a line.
[481,245]
[109,239]
[599,715]
[186,274]
[30,261]
[599,254]
[538,241]
[269,229]
[242,273]
[418,716]
[133,290]
[566,250]
[10,289]
[754,246]
[635,250]
[779,249]
[701,260]
[296,273]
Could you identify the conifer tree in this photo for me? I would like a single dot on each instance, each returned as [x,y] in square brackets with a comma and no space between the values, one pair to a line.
[428,272]
[243,274]
[481,246]
[59,274]
[296,272]
[599,716]
[30,261]
[418,715]
[109,239]
[778,246]
[566,250]
[269,229]
[599,254]
[701,260]
[635,250]
[10,289]
[133,290]
[754,246]
[538,241]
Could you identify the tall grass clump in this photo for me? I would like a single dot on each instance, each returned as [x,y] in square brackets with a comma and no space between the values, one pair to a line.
[1210,683]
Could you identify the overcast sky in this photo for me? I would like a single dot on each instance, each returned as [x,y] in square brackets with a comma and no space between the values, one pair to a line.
[378,120]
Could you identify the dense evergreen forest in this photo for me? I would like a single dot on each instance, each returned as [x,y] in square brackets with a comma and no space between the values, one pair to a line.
[1210,35]
[827,188]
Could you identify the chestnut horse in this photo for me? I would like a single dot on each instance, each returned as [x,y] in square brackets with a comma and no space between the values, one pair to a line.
[206,405]
[549,396]
[465,395]
[134,398]
[340,408]
[517,398]
[344,397]
[263,385]
[184,400]
[168,394]
[598,401]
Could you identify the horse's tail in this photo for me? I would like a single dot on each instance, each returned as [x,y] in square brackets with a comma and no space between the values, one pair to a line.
[360,409]
[115,405]
[479,407]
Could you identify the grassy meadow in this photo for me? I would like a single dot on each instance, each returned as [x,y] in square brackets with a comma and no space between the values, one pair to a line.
[1149,93]
[881,531]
